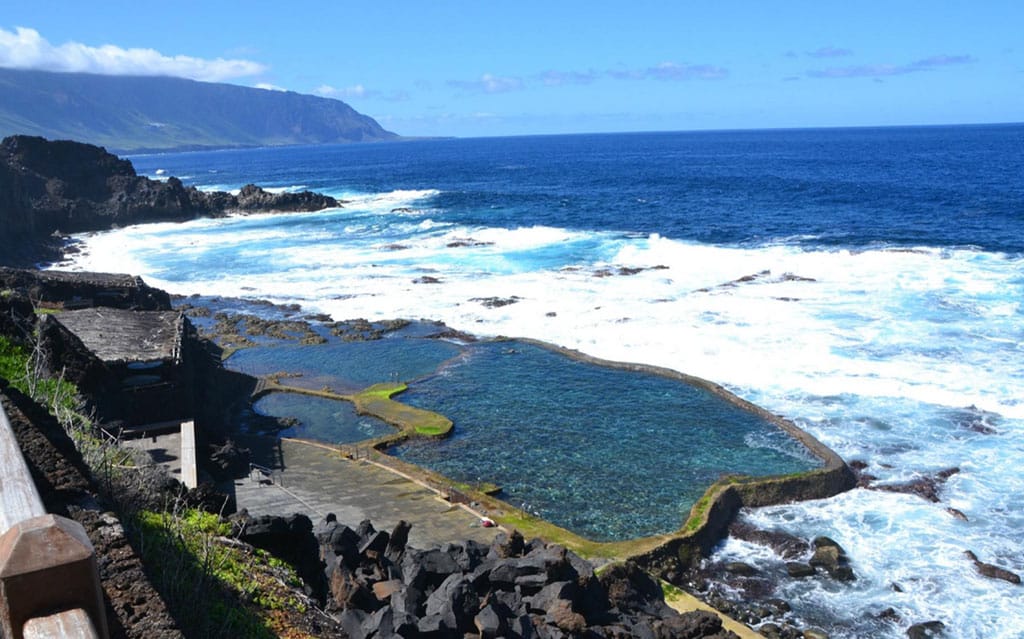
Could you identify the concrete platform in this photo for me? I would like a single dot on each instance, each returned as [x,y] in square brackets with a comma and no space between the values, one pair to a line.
[163,448]
[316,481]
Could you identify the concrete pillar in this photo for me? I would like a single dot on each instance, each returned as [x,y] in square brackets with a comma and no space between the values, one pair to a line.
[189,469]
[47,565]
[70,624]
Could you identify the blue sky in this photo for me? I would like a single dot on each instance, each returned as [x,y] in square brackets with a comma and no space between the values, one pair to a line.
[475,69]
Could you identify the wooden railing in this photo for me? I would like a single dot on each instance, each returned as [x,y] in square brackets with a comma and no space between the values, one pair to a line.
[49,583]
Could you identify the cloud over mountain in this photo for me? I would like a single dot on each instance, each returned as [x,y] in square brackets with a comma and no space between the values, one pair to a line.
[25,48]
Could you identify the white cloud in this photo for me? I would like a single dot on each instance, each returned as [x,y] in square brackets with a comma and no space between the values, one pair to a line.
[830,52]
[269,87]
[27,49]
[672,71]
[561,78]
[354,91]
[882,70]
[489,83]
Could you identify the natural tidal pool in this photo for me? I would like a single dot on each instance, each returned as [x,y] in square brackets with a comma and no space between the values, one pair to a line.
[607,453]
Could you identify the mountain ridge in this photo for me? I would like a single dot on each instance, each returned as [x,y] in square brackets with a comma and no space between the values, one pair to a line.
[135,114]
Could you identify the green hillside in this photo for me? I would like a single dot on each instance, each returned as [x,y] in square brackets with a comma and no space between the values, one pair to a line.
[131,114]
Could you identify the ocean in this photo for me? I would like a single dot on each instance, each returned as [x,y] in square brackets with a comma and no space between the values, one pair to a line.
[865,283]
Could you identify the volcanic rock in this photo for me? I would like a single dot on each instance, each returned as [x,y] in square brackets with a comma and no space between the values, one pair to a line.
[992,571]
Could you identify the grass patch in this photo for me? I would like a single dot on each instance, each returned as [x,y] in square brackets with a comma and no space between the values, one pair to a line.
[376,400]
[203,576]
[19,366]
[698,513]
[669,591]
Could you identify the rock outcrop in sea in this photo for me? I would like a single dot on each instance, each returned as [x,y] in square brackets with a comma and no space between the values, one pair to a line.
[50,188]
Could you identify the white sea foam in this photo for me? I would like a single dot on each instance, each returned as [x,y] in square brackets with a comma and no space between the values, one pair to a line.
[899,358]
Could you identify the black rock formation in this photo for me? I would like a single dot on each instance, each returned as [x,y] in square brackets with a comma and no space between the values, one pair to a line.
[51,188]
[379,587]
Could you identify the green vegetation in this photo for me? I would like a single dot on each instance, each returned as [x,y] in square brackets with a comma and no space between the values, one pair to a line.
[698,512]
[376,400]
[669,591]
[21,368]
[202,575]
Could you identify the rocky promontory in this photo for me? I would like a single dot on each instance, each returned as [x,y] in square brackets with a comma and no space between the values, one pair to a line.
[51,188]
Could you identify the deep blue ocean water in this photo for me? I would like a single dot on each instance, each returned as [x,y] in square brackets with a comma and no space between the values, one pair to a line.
[938,186]
[866,283]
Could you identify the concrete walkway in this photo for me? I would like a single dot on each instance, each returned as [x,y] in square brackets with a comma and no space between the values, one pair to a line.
[315,481]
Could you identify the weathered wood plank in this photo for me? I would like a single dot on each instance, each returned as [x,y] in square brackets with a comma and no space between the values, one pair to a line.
[19,499]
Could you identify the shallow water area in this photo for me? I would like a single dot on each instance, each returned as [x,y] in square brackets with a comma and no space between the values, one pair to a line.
[346,367]
[319,419]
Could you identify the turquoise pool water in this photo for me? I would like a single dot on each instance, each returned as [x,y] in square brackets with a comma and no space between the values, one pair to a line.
[347,366]
[606,453]
[324,420]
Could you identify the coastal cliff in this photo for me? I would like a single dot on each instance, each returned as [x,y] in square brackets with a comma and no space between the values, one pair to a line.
[136,114]
[50,188]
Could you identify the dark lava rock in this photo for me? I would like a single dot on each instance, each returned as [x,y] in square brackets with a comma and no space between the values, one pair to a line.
[992,571]
[455,601]
[629,587]
[490,623]
[17,314]
[399,538]
[468,242]
[959,514]
[784,544]
[509,589]
[253,198]
[926,630]
[798,570]
[71,187]
[926,487]
[495,302]
[830,556]
[740,568]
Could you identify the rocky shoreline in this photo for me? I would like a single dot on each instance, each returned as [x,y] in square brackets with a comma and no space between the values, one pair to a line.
[50,189]
[377,586]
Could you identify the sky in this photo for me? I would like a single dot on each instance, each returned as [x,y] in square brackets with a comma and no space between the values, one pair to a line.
[472,69]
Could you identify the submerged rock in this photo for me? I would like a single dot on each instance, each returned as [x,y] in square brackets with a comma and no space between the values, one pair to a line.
[784,544]
[992,571]
[830,556]
[926,487]
[926,630]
